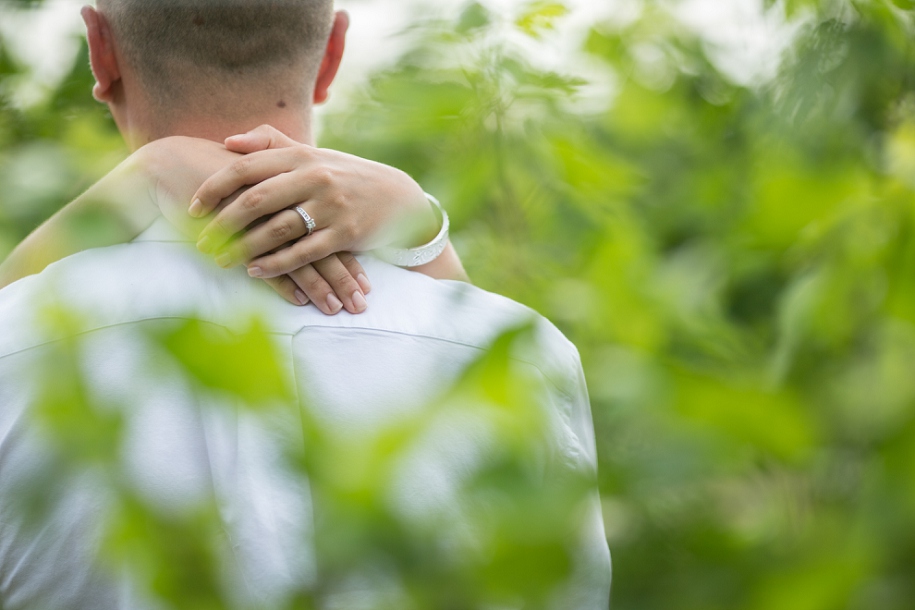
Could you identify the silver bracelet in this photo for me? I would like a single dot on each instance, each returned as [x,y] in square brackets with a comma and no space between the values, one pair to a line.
[414,257]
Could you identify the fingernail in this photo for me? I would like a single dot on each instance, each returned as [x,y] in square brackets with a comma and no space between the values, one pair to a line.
[204,245]
[301,298]
[333,303]
[359,302]
[364,283]
[224,260]
[255,271]
[196,209]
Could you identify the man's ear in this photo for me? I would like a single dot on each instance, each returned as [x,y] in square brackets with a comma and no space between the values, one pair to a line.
[332,57]
[102,57]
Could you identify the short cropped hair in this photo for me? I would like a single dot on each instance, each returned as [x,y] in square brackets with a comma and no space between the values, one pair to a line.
[171,42]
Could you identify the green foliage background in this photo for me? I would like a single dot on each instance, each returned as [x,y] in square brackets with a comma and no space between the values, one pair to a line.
[736,264]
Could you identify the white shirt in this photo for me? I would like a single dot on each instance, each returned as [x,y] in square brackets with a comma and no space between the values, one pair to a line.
[356,373]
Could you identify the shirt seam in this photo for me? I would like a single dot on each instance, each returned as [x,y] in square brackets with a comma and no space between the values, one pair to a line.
[119,324]
[562,391]
[293,335]
[564,411]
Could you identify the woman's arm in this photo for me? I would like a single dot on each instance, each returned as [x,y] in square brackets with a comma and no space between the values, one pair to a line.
[128,199]
[357,204]
[114,210]
[159,178]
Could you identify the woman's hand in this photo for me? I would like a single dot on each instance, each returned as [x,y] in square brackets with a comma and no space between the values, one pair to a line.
[357,205]
[177,166]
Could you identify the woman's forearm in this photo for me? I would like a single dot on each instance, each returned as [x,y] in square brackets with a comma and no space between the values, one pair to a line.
[158,179]
[114,210]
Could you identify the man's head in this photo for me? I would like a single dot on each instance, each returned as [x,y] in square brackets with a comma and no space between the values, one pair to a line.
[161,64]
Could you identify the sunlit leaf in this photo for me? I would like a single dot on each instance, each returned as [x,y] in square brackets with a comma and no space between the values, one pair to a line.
[474,17]
[539,16]
[244,364]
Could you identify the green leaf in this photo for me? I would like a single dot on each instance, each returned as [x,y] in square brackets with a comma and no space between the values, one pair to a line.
[539,16]
[245,364]
[473,17]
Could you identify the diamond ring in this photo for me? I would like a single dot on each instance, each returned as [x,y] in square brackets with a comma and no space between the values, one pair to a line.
[309,221]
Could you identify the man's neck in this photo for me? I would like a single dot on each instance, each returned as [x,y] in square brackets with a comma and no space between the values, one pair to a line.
[294,124]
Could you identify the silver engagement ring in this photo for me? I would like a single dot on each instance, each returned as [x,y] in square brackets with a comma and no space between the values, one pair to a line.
[309,221]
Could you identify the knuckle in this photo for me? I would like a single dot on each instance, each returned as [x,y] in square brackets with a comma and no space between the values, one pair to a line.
[241,166]
[270,265]
[281,230]
[241,251]
[341,278]
[302,256]
[318,286]
[338,200]
[322,176]
[285,285]
[340,203]
[221,225]
[253,199]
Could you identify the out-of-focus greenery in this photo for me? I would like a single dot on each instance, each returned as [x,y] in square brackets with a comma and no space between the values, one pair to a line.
[495,535]
[52,151]
[735,262]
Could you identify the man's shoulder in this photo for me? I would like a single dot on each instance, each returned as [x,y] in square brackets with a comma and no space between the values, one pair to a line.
[108,287]
[151,280]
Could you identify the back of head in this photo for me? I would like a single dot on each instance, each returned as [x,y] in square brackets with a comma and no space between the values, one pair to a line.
[182,50]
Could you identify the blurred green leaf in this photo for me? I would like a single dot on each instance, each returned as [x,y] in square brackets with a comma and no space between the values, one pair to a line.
[539,16]
[473,17]
[734,259]
[244,364]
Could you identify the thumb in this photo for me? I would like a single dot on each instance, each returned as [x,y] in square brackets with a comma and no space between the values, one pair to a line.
[261,138]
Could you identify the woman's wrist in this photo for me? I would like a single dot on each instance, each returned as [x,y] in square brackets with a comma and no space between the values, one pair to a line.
[424,219]
[173,169]
[425,253]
